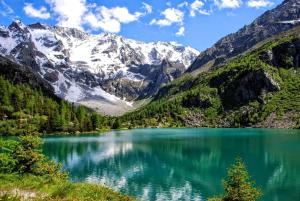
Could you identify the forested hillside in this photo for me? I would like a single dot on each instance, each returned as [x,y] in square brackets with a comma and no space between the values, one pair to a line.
[258,89]
[24,109]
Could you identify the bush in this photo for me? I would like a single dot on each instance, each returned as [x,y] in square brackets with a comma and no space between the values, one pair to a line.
[7,164]
[25,157]
[27,154]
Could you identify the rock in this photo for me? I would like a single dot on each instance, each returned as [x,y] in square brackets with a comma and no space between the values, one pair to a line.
[285,55]
[51,76]
[247,86]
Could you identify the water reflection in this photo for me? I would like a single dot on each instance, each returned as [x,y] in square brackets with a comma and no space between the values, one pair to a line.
[181,164]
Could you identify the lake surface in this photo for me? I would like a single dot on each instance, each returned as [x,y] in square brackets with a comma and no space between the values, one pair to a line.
[182,164]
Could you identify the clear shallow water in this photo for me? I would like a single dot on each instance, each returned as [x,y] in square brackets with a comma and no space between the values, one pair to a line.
[182,164]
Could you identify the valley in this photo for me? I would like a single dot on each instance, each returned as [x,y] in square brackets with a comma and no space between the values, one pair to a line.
[89,114]
[114,75]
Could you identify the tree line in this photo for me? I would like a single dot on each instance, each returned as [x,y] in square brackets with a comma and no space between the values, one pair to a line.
[25,110]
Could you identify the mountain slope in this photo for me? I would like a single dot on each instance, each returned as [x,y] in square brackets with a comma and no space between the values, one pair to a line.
[258,89]
[282,18]
[106,68]
[31,109]
[20,74]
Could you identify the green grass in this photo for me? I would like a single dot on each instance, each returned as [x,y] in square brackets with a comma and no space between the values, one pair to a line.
[47,188]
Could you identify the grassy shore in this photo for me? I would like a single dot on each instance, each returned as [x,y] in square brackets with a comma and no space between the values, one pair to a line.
[27,174]
[30,187]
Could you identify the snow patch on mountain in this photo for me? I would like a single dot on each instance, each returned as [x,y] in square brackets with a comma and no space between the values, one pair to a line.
[291,21]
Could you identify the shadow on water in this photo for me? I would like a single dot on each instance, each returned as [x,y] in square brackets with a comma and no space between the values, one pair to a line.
[182,164]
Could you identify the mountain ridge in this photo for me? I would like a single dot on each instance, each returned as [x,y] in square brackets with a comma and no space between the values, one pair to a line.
[104,68]
[282,18]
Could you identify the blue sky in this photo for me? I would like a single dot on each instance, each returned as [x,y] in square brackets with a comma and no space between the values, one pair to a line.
[198,23]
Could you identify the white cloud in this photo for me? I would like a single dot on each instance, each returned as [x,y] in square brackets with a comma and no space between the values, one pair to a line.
[195,7]
[171,16]
[5,9]
[205,12]
[118,13]
[228,3]
[110,19]
[180,32]
[37,13]
[70,12]
[76,13]
[109,25]
[259,3]
[147,7]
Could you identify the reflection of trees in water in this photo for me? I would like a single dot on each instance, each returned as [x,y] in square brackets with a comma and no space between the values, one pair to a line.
[284,151]
[64,151]
[178,166]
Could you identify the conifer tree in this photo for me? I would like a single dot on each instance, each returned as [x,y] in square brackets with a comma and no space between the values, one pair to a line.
[238,186]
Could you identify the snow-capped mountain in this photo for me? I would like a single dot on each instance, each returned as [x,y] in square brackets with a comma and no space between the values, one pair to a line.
[104,69]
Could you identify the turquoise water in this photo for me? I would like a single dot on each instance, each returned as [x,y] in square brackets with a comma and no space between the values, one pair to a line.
[182,164]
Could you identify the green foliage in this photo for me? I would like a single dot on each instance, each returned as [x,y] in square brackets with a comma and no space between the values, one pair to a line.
[238,185]
[27,154]
[7,163]
[25,157]
[24,110]
[9,197]
[117,124]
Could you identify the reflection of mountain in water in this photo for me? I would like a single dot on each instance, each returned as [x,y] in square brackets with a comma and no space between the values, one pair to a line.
[180,166]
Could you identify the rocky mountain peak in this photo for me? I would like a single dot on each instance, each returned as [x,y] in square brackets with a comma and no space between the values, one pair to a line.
[37,25]
[17,24]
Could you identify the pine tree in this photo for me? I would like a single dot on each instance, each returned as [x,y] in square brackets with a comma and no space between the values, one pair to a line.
[238,185]
[95,118]
[117,124]
[80,114]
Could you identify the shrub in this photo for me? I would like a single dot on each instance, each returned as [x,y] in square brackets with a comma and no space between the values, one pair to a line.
[7,164]
[25,157]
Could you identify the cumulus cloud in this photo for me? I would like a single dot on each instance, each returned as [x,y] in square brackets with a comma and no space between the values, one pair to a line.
[70,12]
[228,3]
[110,19]
[180,32]
[41,13]
[77,13]
[109,25]
[259,3]
[119,13]
[171,16]
[5,9]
